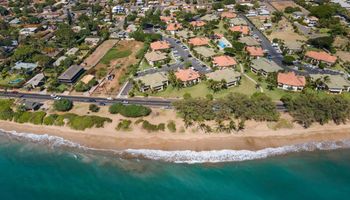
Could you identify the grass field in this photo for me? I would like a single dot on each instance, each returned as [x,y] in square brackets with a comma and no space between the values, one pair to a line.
[6,81]
[114,53]
[201,90]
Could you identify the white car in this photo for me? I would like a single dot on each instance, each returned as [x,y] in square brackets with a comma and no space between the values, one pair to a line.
[109,98]
[53,95]
[57,98]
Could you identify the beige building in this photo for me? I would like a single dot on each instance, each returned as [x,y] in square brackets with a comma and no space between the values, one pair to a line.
[155,57]
[231,76]
[154,82]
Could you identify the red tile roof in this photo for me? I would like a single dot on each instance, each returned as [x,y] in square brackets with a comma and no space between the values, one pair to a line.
[321,56]
[255,51]
[173,27]
[198,41]
[160,45]
[243,29]
[228,15]
[187,75]
[166,19]
[197,23]
[224,61]
[290,78]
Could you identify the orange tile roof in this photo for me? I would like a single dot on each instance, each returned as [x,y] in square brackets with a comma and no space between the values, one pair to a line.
[242,29]
[159,45]
[173,27]
[198,23]
[218,35]
[255,51]
[321,56]
[228,15]
[224,61]
[198,41]
[187,75]
[290,78]
[166,18]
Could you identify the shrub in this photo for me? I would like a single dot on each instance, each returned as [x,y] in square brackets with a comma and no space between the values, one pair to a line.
[83,122]
[63,105]
[50,120]
[152,127]
[37,117]
[171,126]
[124,125]
[22,117]
[6,114]
[94,108]
[129,110]
[138,121]
[115,108]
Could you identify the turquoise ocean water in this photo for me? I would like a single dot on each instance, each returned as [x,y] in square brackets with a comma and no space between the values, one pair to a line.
[44,170]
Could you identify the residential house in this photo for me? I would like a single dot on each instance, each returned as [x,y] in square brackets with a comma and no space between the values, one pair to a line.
[160,45]
[118,9]
[255,52]
[154,82]
[242,29]
[198,24]
[229,75]
[298,15]
[198,41]
[59,61]
[72,52]
[187,76]
[311,21]
[25,66]
[155,57]
[185,34]
[290,81]
[173,28]
[317,57]
[31,105]
[204,52]
[228,15]
[335,83]
[28,31]
[166,19]
[224,61]
[87,78]
[209,17]
[71,74]
[238,22]
[36,81]
[264,66]
[92,41]
[249,41]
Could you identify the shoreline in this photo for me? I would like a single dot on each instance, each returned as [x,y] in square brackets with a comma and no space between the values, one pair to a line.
[252,139]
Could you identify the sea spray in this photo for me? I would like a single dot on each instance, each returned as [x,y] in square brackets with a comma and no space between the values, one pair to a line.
[184,156]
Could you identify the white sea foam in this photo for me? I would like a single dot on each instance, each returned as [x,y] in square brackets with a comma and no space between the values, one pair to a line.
[187,156]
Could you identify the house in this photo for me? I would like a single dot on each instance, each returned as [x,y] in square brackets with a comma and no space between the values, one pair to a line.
[290,81]
[249,41]
[311,21]
[160,45]
[264,66]
[154,82]
[185,34]
[198,41]
[238,22]
[173,27]
[72,51]
[25,66]
[59,61]
[198,24]
[255,52]
[28,31]
[209,17]
[187,76]
[242,29]
[335,84]
[118,9]
[229,75]
[298,15]
[155,57]
[224,61]
[92,41]
[228,15]
[204,52]
[36,81]
[166,19]
[71,74]
[87,78]
[31,105]
[317,57]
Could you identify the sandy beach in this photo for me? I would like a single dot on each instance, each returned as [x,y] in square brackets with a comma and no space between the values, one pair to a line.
[253,138]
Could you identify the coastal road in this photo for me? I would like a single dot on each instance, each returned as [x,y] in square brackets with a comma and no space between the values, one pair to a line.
[165,103]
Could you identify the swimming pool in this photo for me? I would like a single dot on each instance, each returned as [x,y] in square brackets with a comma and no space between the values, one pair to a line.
[16,81]
[222,44]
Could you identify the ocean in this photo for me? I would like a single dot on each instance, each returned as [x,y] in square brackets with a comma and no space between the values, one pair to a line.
[43,167]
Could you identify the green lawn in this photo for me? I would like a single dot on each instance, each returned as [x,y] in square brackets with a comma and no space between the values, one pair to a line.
[114,53]
[6,81]
[220,28]
[201,90]
[144,65]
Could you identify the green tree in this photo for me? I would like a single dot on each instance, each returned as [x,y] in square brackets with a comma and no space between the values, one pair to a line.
[63,105]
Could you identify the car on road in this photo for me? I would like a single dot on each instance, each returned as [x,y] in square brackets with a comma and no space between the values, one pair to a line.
[53,95]
[101,104]
[92,100]
[57,98]
[125,102]
[189,55]
[184,47]
[178,41]
[110,98]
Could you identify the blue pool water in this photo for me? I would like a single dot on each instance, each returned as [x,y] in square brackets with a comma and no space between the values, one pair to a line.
[222,44]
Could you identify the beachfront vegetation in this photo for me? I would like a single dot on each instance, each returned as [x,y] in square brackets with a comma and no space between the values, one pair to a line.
[310,106]
[171,126]
[124,125]
[129,110]
[94,108]
[63,105]
[152,127]
[234,107]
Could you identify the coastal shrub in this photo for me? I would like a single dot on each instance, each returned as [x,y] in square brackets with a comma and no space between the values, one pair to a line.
[171,126]
[94,108]
[37,117]
[124,125]
[6,114]
[152,127]
[83,122]
[63,105]
[59,121]
[129,110]
[138,121]
[22,117]
[50,119]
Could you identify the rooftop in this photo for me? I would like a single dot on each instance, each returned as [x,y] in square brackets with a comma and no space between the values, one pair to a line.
[173,27]
[266,65]
[204,51]
[224,61]
[187,75]
[290,78]
[321,56]
[71,72]
[227,74]
[154,56]
[228,15]
[160,45]
[153,80]
[243,29]
[198,41]
[198,23]
[335,81]
[255,51]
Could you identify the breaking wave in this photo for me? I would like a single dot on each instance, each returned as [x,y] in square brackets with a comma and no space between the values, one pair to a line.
[186,156]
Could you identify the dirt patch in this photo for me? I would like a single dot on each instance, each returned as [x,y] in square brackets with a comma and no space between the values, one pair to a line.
[343,55]
[96,56]
[284,31]
[117,68]
[281,5]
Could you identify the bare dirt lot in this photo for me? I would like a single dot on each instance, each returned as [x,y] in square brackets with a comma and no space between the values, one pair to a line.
[117,68]
[285,31]
[281,5]
[343,55]
[96,56]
